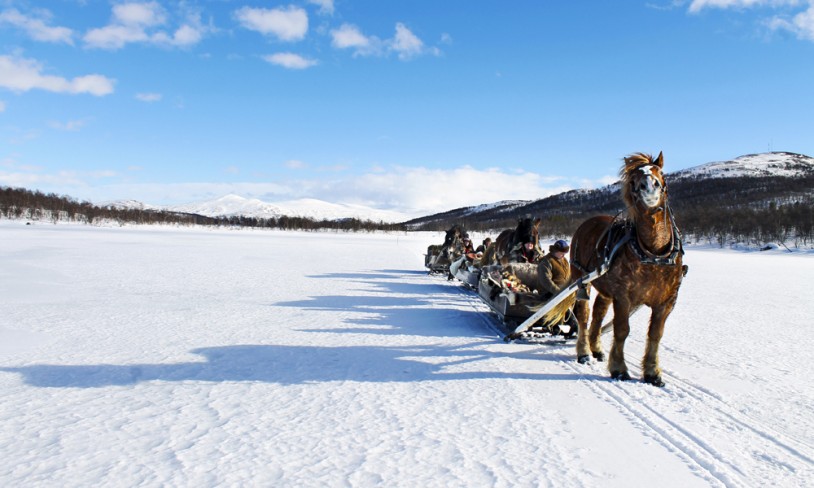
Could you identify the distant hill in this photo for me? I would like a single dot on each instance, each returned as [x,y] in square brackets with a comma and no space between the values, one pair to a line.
[771,194]
[237,206]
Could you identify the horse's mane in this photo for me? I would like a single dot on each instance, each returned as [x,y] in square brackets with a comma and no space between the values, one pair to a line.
[631,164]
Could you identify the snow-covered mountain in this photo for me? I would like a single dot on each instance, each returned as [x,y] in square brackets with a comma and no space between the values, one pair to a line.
[129,205]
[235,205]
[752,165]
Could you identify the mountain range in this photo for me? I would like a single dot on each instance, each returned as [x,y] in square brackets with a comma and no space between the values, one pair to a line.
[746,180]
[701,193]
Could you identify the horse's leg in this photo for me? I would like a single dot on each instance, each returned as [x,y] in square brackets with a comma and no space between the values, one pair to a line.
[651,372]
[601,306]
[581,311]
[621,329]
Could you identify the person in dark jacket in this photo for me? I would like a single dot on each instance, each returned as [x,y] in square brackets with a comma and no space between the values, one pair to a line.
[553,276]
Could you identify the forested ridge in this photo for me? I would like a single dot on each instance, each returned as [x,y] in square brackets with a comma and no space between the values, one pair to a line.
[744,209]
[20,203]
[729,208]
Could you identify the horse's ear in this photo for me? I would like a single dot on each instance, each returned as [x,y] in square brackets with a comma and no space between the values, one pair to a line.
[660,160]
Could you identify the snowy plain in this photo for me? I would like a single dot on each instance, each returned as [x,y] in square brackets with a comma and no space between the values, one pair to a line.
[161,356]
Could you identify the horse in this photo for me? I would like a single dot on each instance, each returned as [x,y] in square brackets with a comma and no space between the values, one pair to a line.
[510,242]
[643,257]
[451,249]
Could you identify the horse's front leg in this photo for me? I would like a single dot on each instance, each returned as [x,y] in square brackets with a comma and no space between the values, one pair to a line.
[621,329]
[651,372]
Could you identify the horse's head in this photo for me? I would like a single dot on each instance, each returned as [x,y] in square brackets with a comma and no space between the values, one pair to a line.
[527,231]
[453,241]
[643,181]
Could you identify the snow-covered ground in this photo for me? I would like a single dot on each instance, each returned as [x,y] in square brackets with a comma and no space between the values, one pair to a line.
[198,357]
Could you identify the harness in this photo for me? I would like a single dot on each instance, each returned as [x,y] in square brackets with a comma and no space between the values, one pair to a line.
[622,232]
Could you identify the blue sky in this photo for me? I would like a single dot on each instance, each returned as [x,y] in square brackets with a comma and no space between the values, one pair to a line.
[416,106]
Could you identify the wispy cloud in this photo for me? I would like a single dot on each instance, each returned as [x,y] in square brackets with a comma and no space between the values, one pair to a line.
[20,75]
[404,42]
[2,106]
[698,5]
[139,23]
[148,97]
[69,126]
[325,6]
[801,25]
[286,23]
[290,60]
[295,164]
[37,26]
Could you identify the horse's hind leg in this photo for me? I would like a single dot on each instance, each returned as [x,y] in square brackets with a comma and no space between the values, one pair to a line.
[581,311]
[589,342]
[601,306]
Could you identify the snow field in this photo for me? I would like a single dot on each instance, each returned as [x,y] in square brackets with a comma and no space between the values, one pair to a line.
[167,356]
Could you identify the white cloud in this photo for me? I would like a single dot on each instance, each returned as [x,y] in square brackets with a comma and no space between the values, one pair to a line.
[413,191]
[325,6]
[802,24]
[148,97]
[290,60]
[144,14]
[69,126]
[287,24]
[134,22]
[405,43]
[295,164]
[21,75]
[349,36]
[37,28]
[698,5]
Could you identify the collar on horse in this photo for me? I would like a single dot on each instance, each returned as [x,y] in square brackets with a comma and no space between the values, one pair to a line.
[622,232]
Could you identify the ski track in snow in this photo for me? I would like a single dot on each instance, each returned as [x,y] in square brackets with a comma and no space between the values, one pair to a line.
[181,357]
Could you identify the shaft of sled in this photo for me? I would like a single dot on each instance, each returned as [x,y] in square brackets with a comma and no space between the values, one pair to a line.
[555,300]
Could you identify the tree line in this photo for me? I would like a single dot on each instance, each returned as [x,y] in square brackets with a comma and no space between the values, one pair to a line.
[754,210]
[21,203]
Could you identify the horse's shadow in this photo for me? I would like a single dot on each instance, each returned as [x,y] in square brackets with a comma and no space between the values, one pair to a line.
[399,308]
[286,365]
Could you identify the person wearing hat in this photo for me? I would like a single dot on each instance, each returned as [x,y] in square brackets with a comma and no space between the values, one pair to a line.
[485,245]
[469,256]
[553,276]
[554,272]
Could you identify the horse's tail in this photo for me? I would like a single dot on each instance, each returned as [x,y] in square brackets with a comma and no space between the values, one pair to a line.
[557,314]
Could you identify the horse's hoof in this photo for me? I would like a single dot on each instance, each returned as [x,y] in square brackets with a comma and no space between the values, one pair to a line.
[653,380]
[599,356]
[584,359]
[620,375]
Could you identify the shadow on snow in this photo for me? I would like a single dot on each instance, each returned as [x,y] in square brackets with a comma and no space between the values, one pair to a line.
[292,365]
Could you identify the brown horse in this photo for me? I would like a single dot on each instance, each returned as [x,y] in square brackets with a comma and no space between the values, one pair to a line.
[643,255]
[450,250]
[509,243]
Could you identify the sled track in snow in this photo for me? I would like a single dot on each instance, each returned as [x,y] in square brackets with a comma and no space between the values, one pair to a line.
[782,457]
[692,450]
[695,444]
